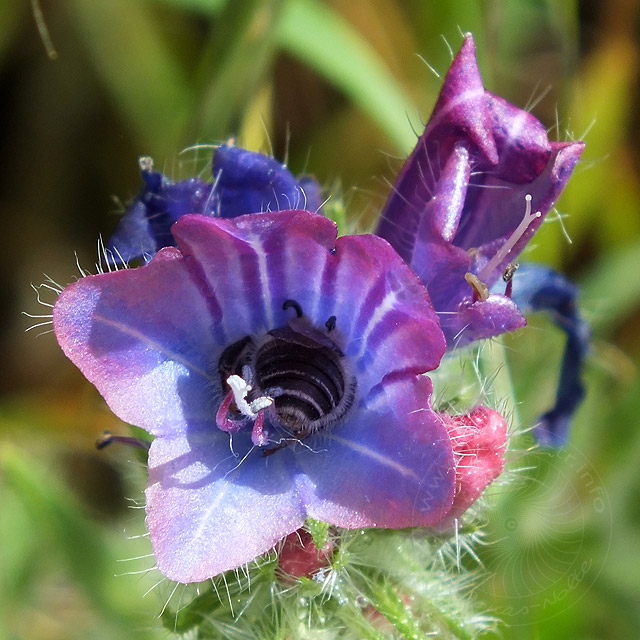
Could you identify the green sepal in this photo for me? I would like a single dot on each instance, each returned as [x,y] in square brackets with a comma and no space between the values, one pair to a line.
[319,532]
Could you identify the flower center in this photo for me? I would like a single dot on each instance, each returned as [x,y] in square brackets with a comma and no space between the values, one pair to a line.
[295,376]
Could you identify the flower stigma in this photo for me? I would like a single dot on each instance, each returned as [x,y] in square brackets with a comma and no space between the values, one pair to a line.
[528,218]
[478,282]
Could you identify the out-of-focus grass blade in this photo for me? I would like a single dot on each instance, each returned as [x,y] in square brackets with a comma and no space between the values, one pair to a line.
[612,288]
[53,511]
[210,7]
[315,34]
[12,14]
[602,195]
[309,30]
[234,67]
[80,545]
[139,68]
[18,558]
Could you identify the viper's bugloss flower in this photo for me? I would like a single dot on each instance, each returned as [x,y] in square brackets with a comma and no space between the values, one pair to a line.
[243,182]
[471,195]
[280,371]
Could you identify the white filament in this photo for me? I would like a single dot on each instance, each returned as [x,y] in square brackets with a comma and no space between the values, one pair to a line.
[529,217]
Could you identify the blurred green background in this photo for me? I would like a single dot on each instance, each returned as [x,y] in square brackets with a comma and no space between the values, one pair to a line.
[339,88]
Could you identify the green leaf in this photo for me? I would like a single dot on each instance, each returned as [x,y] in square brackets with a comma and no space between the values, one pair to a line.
[139,68]
[610,288]
[386,600]
[77,546]
[12,17]
[223,600]
[318,36]
[54,512]
[206,7]
[234,66]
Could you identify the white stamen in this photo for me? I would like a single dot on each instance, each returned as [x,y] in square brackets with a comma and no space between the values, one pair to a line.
[240,389]
[261,403]
[529,217]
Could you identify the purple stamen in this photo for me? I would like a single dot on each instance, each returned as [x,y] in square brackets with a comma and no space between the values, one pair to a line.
[222,421]
[258,435]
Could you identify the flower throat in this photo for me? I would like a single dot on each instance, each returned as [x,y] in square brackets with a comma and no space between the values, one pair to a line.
[295,376]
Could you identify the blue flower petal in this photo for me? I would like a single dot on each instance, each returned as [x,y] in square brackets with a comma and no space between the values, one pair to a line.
[145,226]
[145,338]
[151,339]
[538,288]
[244,182]
[249,182]
[459,206]
[210,509]
[390,466]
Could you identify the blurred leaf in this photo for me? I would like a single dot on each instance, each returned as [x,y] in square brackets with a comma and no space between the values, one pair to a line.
[64,531]
[440,25]
[258,119]
[234,66]
[55,512]
[210,7]
[140,69]
[611,288]
[605,188]
[318,36]
[18,556]
[12,14]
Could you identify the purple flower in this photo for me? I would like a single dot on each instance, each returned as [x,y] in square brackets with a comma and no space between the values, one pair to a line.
[471,195]
[279,370]
[243,182]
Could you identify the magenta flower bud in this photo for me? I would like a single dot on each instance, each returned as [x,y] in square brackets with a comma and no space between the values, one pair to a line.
[298,556]
[479,441]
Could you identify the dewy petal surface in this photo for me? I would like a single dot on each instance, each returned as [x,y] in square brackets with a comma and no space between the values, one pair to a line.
[208,511]
[392,466]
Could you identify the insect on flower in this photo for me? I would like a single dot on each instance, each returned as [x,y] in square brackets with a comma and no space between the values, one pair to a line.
[253,333]
[281,369]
